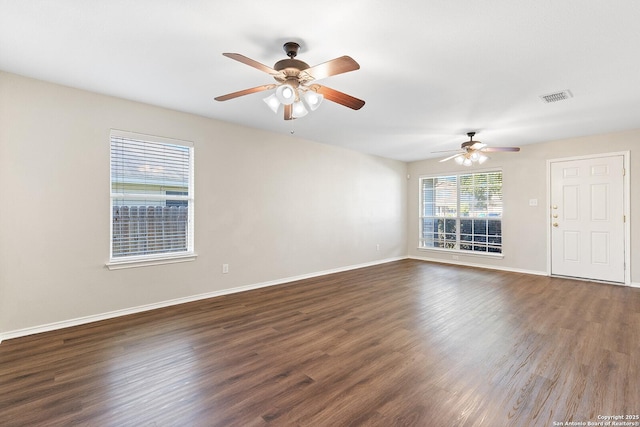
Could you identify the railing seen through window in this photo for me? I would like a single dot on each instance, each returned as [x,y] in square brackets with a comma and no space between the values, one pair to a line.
[462,212]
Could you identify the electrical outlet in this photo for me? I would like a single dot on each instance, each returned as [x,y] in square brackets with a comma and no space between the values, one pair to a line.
[378,247]
[225,268]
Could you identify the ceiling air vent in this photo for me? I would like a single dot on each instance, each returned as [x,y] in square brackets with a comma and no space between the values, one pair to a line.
[556,96]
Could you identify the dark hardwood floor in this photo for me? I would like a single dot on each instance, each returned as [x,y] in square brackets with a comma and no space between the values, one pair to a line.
[407,343]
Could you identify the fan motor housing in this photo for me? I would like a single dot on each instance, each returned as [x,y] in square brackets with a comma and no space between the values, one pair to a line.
[290,69]
[290,63]
[468,144]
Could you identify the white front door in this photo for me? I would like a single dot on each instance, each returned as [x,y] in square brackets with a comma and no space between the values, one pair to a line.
[587,218]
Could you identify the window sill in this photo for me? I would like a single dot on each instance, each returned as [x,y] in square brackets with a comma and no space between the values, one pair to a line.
[463,253]
[145,262]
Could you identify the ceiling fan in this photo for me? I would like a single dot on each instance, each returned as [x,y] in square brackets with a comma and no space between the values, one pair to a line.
[295,88]
[472,151]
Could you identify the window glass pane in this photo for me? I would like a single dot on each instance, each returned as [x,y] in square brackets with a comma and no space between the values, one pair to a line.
[494,240]
[466,226]
[439,196]
[466,201]
[463,212]
[151,197]
[494,228]
[438,235]
[480,180]
[428,197]
[494,194]
[450,225]
[481,194]
[144,228]
[429,226]
[144,167]
[450,237]
[479,238]
[479,226]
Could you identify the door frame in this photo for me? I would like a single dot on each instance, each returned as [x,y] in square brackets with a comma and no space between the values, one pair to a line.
[626,208]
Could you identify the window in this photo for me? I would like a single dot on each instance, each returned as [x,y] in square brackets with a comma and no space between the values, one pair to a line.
[151,198]
[462,212]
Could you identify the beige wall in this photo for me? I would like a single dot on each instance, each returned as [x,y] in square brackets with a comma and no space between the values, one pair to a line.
[271,206]
[525,178]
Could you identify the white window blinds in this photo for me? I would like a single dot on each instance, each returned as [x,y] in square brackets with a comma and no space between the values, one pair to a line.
[440,196]
[151,196]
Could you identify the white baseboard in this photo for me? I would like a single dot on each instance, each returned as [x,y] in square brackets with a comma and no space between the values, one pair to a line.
[490,267]
[139,309]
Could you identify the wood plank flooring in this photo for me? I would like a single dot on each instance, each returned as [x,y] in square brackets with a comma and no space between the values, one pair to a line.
[407,343]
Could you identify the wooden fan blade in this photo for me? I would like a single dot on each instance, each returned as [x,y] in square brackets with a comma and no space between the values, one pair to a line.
[451,157]
[336,66]
[447,151]
[339,97]
[250,62]
[500,149]
[244,92]
[288,112]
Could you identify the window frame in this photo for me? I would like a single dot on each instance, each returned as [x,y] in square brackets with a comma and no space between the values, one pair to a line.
[129,261]
[456,249]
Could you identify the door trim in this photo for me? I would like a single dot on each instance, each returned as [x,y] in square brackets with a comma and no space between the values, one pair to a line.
[626,208]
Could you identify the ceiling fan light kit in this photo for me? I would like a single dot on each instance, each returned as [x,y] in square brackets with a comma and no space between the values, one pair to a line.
[294,90]
[286,94]
[469,159]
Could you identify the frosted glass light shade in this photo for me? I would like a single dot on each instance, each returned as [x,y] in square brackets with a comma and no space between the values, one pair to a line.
[286,94]
[273,102]
[313,99]
[299,110]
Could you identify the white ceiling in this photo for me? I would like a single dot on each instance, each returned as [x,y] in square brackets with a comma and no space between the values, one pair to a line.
[431,70]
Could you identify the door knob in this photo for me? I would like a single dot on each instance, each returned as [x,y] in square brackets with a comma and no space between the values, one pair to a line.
[555,224]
